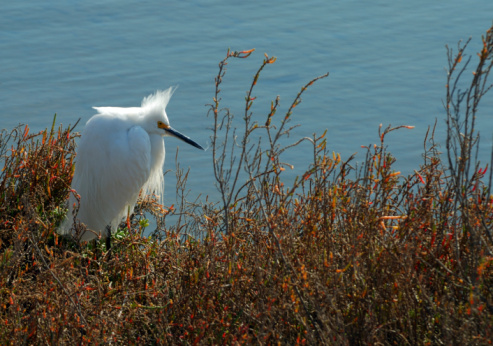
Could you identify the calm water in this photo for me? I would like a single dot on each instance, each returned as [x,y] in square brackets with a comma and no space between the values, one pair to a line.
[386,60]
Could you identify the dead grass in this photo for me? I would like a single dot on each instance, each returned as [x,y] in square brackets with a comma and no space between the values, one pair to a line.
[346,255]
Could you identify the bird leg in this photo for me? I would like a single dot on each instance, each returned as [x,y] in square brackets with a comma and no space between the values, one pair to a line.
[108,238]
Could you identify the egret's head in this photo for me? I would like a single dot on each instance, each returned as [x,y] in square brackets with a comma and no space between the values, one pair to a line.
[154,107]
[154,111]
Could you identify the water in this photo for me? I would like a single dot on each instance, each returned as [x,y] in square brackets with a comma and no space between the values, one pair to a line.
[386,61]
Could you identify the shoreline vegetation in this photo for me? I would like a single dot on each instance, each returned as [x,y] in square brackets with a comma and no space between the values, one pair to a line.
[347,254]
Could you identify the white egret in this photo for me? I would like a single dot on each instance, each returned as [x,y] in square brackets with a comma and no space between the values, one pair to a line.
[121,152]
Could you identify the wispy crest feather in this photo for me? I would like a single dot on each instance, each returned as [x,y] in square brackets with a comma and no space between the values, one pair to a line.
[158,101]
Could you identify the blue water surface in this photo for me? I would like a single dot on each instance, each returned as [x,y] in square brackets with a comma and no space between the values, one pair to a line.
[386,61]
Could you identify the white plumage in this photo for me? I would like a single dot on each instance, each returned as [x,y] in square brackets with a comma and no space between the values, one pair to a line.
[121,152]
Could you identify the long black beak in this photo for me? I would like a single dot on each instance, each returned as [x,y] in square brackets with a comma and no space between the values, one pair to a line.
[184,138]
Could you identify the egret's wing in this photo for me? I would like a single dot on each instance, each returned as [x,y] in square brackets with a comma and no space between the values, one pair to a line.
[113,163]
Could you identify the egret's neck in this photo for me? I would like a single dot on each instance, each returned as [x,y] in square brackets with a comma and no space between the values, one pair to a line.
[155,184]
[157,152]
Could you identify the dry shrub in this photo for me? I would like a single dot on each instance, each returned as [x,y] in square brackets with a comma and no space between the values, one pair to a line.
[346,254]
